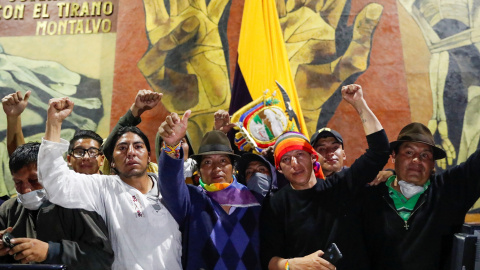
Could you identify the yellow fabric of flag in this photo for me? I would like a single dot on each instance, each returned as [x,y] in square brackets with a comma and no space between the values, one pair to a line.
[262,56]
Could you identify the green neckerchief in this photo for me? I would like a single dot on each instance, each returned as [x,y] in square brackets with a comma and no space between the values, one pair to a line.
[404,207]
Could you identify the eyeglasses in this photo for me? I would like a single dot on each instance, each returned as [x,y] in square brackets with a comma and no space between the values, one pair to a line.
[80,152]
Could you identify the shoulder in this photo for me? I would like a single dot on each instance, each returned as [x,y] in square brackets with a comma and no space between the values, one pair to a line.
[10,205]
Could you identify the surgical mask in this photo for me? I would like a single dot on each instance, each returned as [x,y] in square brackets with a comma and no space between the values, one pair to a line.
[33,199]
[408,189]
[259,183]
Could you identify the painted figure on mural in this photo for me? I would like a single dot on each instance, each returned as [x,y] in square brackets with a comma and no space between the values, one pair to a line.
[324,52]
[188,55]
[46,79]
[186,60]
[449,29]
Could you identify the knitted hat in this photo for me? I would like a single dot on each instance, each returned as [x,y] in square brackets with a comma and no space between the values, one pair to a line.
[290,141]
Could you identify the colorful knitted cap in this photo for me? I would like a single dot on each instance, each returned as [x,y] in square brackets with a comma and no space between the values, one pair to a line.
[295,141]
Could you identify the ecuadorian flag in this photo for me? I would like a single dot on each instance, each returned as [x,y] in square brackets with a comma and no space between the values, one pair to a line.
[262,59]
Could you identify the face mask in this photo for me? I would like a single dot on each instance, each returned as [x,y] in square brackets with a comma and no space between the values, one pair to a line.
[188,167]
[33,199]
[408,189]
[260,183]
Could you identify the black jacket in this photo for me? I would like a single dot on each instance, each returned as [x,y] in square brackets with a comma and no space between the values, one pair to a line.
[296,223]
[437,216]
[76,238]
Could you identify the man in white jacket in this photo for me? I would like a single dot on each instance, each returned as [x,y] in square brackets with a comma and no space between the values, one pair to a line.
[144,234]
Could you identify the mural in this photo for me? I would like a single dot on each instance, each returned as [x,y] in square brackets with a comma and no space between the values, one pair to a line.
[186,60]
[418,60]
[449,30]
[325,52]
[55,50]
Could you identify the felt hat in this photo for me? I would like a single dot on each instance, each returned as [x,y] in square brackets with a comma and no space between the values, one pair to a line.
[215,142]
[417,132]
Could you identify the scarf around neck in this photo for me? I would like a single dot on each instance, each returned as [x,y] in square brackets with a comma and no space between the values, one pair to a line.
[235,194]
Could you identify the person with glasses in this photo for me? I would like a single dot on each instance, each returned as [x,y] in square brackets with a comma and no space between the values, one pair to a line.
[44,232]
[143,232]
[84,154]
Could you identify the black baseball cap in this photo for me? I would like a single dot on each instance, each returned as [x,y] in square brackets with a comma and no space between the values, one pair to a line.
[325,133]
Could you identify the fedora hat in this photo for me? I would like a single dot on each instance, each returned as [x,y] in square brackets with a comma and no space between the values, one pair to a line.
[215,142]
[417,132]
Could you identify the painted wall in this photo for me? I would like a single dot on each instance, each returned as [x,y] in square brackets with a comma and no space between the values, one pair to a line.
[416,60]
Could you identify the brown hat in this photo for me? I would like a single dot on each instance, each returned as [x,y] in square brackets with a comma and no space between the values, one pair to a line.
[215,142]
[417,132]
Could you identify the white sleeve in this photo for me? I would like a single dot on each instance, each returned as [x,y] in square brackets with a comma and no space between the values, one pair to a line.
[65,187]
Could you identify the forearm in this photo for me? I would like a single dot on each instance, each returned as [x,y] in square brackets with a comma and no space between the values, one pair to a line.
[367,166]
[277,263]
[53,130]
[63,184]
[136,112]
[14,133]
[368,118]
[172,187]
[126,120]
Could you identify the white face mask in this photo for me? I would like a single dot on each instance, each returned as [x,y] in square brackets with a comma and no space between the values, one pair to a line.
[259,183]
[188,167]
[408,189]
[33,199]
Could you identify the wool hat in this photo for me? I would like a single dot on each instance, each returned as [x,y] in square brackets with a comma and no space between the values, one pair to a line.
[417,132]
[325,133]
[291,141]
[215,142]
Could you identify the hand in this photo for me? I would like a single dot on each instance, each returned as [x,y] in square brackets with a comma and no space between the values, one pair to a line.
[222,121]
[353,94]
[382,177]
[59,109]
[144,101]
[14,104]
[4,249]
[186,60]
[29,250]
[323,55]
[172,130]
[312,261]
[268,153]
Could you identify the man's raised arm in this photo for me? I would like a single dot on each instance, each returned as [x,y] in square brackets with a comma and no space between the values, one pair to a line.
[13,106]
[58,110]
[353,94]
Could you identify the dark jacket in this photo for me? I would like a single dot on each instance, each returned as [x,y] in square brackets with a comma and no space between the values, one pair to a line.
[296,223]
[76,238]
[437,216]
